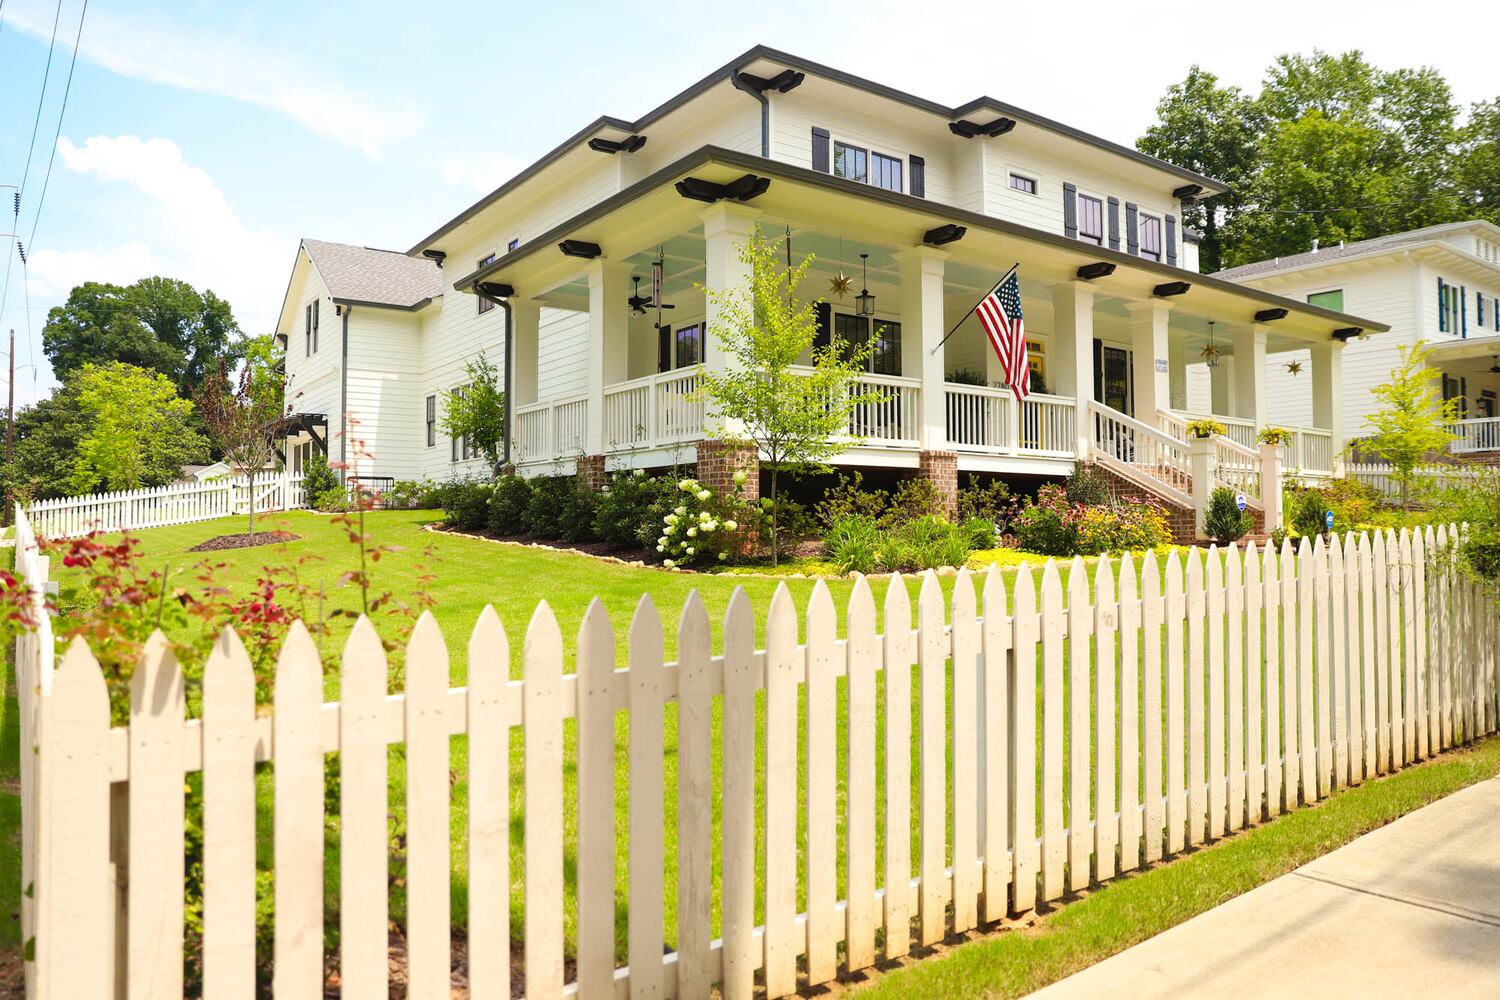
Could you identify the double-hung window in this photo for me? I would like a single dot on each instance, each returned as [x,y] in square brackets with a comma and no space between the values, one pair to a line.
[311,328]
[458,444]
[689,345]
[851,162]
[431,421]
[1150,237]
[485,304]
[853,333]
[1091,219]
[885,171]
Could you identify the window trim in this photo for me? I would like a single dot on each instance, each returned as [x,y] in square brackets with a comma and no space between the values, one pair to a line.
[898,162]
[431,420]
[1098,199]
[872,323]
[864,151]
[1011,176]
[678,329]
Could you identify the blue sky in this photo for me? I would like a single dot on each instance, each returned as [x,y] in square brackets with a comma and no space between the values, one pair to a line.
[202,139]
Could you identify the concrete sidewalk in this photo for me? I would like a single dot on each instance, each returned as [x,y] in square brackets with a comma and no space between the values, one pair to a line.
[1410,909]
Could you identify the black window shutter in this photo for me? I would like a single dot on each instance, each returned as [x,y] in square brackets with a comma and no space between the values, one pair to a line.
[820,149]
[1132,239]
[918,177]
[1070,210]
[1442,306]
[1463,310]
[1114,223]
[1171,237]
[1098,371]
[664,347]
[824,336]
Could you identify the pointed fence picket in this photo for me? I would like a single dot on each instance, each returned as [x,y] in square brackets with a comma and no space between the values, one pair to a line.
[1175,706]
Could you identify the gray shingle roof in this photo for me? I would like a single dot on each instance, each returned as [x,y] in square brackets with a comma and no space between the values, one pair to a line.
[378,277]
[1325,254]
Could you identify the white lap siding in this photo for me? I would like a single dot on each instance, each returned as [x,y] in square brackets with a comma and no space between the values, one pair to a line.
[384,405]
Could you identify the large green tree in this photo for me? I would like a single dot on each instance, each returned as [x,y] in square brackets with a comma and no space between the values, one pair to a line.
[1477,171]
[139,433]
[161,324]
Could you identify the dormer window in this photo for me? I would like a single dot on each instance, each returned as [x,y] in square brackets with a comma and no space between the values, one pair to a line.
[1091,219]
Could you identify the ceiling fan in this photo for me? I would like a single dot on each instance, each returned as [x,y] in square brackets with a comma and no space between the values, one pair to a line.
[1495,366]
[639,303]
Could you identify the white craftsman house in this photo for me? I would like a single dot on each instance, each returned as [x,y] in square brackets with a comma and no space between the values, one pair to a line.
[924,205]
[1439,285]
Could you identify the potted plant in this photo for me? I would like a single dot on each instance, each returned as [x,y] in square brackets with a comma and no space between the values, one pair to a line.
[1204,428]
[1277,436]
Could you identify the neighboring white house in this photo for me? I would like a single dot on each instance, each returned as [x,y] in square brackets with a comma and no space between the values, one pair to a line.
[1440,285]
[923,205]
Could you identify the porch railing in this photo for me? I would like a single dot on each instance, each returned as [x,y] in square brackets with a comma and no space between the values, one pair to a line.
[1476,434]
[891,414]
[653,411]
[1140,452]
[1237,429]
[984,419]
[1310,452]
[552,430]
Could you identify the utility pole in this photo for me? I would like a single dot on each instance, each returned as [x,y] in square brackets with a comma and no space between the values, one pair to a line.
[10,405]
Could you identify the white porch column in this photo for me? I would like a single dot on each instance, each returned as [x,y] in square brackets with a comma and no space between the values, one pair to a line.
[1073,355]
[1250,374]
[1151,351]
[726,228]
[1328,403]
[922,329]
[1221,387]
[525,325]
[1177,371]
[609,334]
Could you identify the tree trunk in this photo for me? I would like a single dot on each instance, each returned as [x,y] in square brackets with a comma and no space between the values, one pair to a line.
[775,514]
[250,473]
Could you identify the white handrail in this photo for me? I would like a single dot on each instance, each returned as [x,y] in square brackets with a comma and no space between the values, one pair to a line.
[1141,452]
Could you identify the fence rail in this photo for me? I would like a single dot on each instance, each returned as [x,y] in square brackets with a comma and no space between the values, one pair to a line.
[178,503]
[1383,477]
[1231,688]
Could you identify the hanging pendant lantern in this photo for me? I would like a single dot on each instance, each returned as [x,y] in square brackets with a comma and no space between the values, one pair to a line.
[1211,352]
[864,302]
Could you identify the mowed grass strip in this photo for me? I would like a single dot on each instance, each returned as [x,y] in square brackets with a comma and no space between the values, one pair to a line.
[1128,910]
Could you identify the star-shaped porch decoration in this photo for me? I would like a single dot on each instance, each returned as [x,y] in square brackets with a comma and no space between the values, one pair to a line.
[1209,352]
[1294,368]
[840,284]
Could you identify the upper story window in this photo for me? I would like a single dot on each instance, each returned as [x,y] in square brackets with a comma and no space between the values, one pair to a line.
[1023,184]
[1091,219]
[1150,237]
[511,246]
[689,345]
[1332,299]
[850,162]
[485,305]
[431,421]
[1452,300]
[312,327]
[885,171]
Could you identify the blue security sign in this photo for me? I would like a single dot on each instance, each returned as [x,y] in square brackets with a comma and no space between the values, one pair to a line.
[1240,501]
[1328,520]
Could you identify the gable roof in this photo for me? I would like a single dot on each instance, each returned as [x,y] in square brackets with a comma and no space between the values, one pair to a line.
[727,72]
[366,276]
[1325,255]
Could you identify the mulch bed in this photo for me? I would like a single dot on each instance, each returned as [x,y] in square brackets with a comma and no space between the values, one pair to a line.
[244,541]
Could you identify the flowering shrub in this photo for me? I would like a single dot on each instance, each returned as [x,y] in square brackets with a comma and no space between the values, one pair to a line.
[1051,525]
[705,527]
[626,513]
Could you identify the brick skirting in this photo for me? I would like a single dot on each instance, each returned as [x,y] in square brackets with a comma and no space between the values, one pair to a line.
[941,469]
[718,461]
[591,472]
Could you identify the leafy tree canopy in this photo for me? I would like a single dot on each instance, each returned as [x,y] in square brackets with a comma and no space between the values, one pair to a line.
[138,433]
[476,412]
[160,324]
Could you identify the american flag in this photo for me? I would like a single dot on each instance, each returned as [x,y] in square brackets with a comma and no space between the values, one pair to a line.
[1000,313]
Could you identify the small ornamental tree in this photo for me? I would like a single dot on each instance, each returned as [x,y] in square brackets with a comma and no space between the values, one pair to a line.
[1414,418]
[136,429]
[476,412]
[797,417]
[241,416]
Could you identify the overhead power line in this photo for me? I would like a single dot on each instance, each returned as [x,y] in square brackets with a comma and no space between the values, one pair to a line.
[57,133]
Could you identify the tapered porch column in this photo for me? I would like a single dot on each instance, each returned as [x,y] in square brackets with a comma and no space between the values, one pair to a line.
[1073,354]
[525,325]
[726,228]
[1327,389]
[922,329]
[1151,353]
[1250,374]
[609,341]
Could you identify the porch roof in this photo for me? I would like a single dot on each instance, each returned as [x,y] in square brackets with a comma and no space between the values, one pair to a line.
[648,212]
[1464,349]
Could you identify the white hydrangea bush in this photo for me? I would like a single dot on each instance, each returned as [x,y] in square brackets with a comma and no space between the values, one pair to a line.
[704,528]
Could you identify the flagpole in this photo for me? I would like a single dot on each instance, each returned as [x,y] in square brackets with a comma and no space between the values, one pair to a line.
[981,298]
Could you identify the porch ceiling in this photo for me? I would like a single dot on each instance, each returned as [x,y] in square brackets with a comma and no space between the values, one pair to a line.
[837,219]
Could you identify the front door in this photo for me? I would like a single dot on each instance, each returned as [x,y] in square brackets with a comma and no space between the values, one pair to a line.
[1112,384]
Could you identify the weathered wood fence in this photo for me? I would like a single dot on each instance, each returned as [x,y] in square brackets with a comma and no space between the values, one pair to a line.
[1094,729]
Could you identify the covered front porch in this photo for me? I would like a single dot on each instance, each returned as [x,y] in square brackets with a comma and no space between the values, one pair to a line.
[1471,374]
[1110,338]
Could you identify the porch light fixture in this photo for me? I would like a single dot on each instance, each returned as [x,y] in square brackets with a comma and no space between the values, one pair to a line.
[1188,193]
[627,145]
[436,256]
[1211,352]
[864,302]
[1268,315]
[1170,288]
[743,188]
[579,248]
[1098,269]
[944,234]
[1347,333]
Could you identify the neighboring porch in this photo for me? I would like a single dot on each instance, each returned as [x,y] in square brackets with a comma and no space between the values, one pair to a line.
[1471,375]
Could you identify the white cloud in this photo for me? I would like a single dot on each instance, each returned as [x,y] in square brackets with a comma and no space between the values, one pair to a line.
[482,171]
[197,235]
[229,64]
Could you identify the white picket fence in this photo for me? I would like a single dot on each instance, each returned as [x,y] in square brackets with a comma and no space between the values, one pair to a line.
[1231,688]
[1382,477]
[158,507]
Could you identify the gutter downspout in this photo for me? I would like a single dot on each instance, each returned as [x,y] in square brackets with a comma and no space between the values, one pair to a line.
[765,110]
[503,303]
[344,397]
